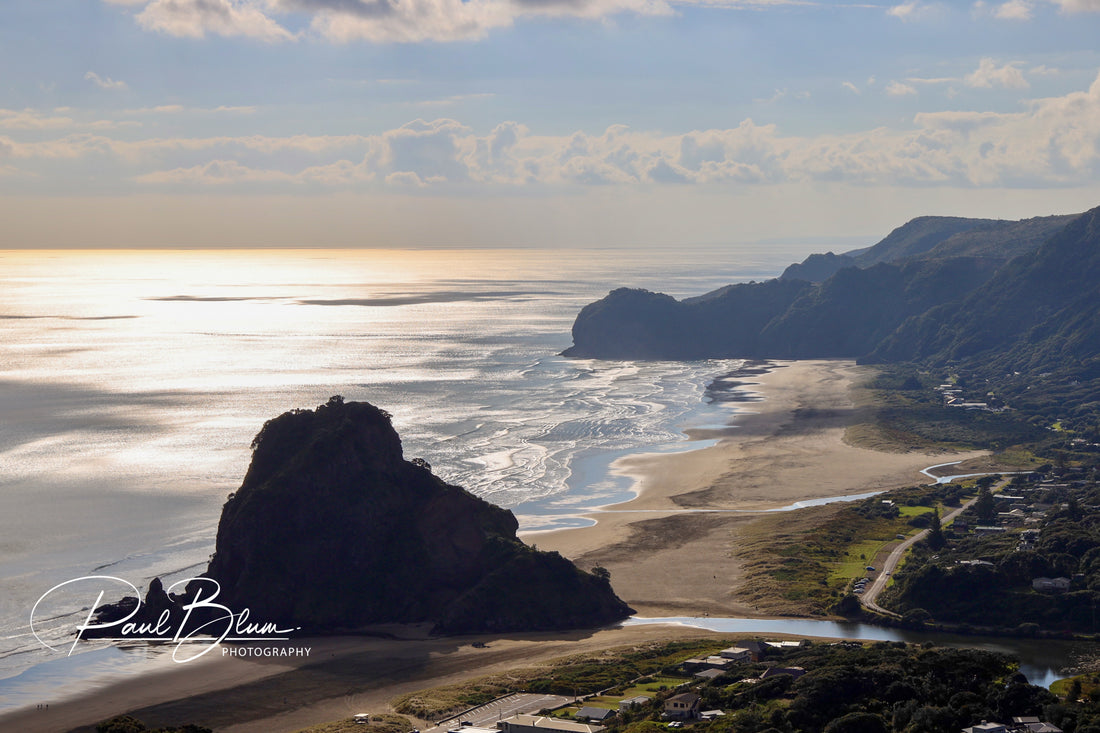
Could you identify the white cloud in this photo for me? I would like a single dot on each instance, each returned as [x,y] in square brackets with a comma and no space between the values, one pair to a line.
[909,11]
[169,109]
[1078,6]
[198,18]
[897,89]
[1015,10]
[988,75]
[216,172]
[382,21]
[775,97]
[851,87]
[1047,142]
[29,119]
[453,99]
[164,109]
[105,82]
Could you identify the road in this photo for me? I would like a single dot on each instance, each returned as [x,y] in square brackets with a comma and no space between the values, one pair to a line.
[870,595]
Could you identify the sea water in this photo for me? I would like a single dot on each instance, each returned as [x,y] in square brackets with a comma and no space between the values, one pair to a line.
[131,384]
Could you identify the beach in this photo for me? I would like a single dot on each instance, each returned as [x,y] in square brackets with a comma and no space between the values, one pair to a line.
[670,552]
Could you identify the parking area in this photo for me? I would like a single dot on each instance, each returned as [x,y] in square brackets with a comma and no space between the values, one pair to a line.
[486,716]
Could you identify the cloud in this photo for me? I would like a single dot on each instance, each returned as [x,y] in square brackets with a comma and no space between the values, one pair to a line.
[1078,6]
[380,21]
[453,99]
[198,18]
[166,109]
[912,10]
[1046,142]
[851,87]
[29,119]
[1015,10]
[988,75]
[216,172]
[105,82]
[775,97]
[897,89]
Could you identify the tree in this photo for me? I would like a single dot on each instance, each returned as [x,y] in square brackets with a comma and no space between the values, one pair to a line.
[121,724]
[935,538]
[857,723]
[1073,509]
[601,572]
[848,605]
[985,507]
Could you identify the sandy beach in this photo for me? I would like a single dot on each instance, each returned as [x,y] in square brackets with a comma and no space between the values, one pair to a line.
[670,552]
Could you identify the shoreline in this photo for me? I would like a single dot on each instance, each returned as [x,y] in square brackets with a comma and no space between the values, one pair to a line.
[670,550]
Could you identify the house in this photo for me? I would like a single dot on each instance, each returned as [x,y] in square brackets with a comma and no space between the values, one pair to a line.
[985,727]
[1031,724]
[712,662]
[543,724]
[795,672]
[684,705]
[716,661]
[756,647]
[709,674]
[592,714]
[736,654]
[633,702]
[1050,585]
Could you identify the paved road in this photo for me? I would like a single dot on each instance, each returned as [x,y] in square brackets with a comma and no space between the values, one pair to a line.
[870,595]
[487,716]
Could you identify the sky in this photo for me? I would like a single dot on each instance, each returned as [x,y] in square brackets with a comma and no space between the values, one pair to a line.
[334,123]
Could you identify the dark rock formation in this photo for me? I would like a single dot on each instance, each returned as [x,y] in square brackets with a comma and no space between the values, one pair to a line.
[333,529]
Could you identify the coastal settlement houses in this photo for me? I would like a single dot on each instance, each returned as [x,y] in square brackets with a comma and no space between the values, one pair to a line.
[683,706]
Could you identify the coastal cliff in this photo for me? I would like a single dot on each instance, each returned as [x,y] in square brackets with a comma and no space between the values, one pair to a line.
[1021,295]
[332,529]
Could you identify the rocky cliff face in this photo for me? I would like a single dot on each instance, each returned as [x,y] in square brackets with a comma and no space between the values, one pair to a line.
[333,528]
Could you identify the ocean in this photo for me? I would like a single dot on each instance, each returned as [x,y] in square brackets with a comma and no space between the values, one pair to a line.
[132,383]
